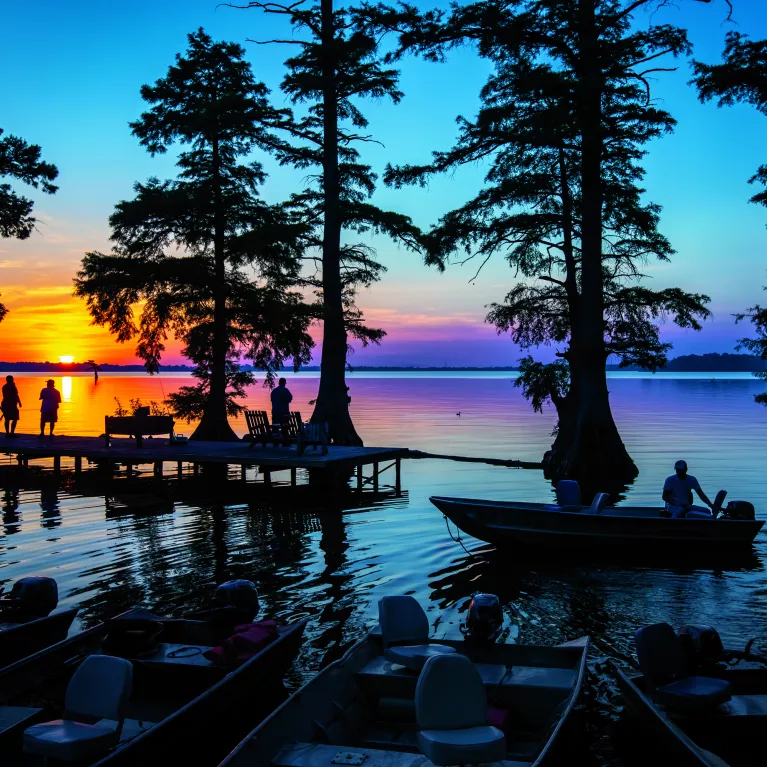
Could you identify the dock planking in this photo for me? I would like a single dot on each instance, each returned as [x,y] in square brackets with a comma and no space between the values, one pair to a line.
[125,451]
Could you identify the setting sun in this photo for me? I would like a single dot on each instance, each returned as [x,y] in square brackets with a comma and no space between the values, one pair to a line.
[67,359]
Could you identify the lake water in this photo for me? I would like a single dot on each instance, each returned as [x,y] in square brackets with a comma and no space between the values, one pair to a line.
[168,549]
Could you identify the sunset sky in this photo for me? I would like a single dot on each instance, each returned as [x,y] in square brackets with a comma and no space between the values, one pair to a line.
[70,75]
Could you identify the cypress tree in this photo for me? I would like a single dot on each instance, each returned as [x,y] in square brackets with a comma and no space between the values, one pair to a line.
[337,65]
[564,120]
[186,249]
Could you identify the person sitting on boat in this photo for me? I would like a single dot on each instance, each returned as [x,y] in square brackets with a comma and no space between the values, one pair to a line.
[677,492]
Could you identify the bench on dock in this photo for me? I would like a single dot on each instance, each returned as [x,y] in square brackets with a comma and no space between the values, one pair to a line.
[290,431]
[138,425]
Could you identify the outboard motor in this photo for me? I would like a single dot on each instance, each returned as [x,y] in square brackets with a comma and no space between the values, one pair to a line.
[701,644]
[484,619]
[739,510]
[241,595]
[33,597]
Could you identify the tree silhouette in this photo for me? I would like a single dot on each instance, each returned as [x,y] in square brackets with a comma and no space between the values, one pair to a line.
[564,118]
[742,78]
[187,250]
[20,160]
[337,65]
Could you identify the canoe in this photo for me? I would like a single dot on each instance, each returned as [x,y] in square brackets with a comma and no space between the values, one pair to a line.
[181,703]
[732,735]
[20,639]
[539,524]
[361,708]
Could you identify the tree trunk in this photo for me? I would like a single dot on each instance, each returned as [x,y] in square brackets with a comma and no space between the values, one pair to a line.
[588,447]
[332,401]
[214,424]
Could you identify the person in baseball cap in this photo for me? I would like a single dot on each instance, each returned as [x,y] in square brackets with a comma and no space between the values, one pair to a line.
[677,492]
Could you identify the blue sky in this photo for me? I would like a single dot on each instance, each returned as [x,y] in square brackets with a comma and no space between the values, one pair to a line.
[70,75]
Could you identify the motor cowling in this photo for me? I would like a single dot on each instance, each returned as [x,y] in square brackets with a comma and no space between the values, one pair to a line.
[742,510]
[241,595]
[484,618]
[701,644]
[35,596]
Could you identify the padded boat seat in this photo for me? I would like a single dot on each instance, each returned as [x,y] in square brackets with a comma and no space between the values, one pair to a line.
[70,741]
[694,694]
[470,745]
[413,657]
[664,666]
[405,633]
[451,713]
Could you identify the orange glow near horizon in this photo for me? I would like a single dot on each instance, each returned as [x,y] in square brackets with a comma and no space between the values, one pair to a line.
[42,321]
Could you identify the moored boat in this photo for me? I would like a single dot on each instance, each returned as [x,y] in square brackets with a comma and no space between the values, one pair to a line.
[690,707]
[575,527]
[28,622]
[396,699]
[184,690]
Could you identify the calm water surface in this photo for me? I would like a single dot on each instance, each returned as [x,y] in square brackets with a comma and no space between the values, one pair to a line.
[109,549]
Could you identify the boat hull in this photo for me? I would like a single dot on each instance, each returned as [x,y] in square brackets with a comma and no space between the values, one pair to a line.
[504,523]
[200,732]
[328,713]
[26,639]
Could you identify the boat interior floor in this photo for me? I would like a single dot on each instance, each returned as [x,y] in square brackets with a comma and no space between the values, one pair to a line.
[321,755]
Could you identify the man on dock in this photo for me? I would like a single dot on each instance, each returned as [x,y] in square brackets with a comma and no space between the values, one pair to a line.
[49,409]
[281,399]
[677,492]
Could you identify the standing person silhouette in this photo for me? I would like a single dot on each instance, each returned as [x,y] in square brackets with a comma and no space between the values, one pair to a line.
[9,406]
[49,410]
[281,399]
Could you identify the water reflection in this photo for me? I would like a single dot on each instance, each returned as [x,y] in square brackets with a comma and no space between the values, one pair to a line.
[49,505]
[66,388]
[167,545]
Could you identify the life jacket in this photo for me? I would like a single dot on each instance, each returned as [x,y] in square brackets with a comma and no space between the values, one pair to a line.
[248,640]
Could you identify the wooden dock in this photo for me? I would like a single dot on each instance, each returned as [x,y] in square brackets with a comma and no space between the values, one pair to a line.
[158,452]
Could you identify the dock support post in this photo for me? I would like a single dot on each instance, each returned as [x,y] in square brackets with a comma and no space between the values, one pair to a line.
[293,477]
[243,472]
[267,477]
[158,469]
[78,465]
[375,477]
[179,470]
[196,468]
[128,470]
[359,477]
[57,464]
[397,477]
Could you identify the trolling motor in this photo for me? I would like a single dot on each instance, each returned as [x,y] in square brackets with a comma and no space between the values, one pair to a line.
[31,598]
[484,619]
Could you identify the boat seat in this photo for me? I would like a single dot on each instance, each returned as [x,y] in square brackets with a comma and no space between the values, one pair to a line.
[568,493]
[451,713]
[70,741]
[98,690]
[415,656]
[405,633]
[599,502]
[694,694]
[664,666]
